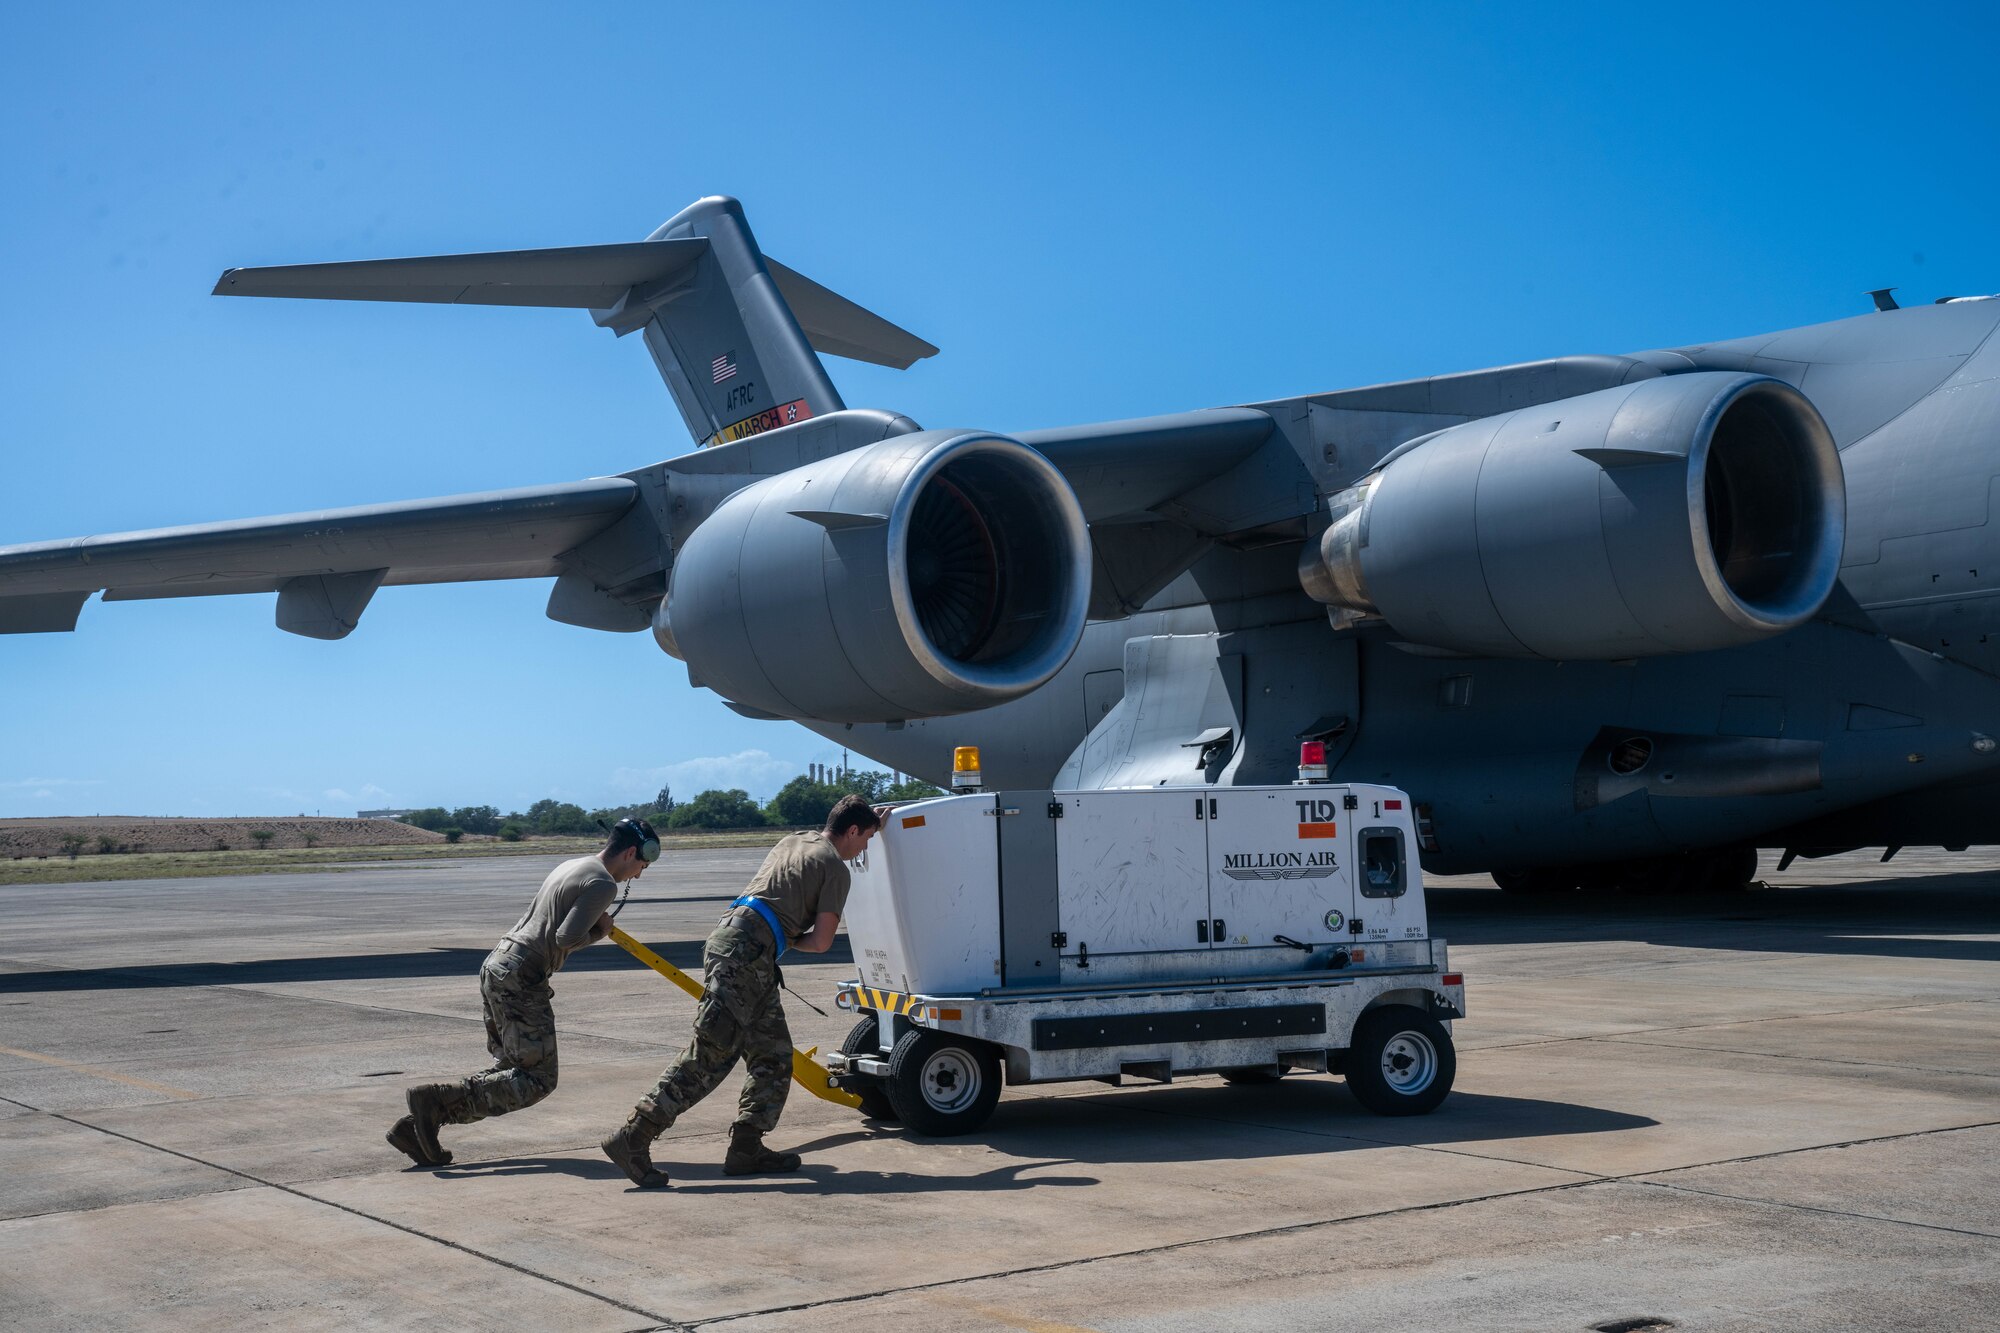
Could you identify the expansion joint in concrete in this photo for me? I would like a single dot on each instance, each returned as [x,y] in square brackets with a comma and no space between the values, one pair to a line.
[659,1321]
[1810,1147]
[1632,1040]
[1262,1233]
[1810,1208]
[1629,1033]
[1589,1181]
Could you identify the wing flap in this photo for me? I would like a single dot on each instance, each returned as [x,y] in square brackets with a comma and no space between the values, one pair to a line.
[41,613]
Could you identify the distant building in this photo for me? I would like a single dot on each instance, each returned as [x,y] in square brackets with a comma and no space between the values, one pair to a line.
[383,814]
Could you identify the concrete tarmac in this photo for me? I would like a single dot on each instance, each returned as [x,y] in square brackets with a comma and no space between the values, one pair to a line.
[1775,1109]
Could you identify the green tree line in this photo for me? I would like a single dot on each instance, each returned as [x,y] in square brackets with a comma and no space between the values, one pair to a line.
[802,802]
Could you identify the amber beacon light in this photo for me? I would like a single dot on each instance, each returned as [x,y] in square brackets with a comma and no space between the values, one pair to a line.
[965,768]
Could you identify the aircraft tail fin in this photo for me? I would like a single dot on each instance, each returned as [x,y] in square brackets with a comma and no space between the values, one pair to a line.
[732,332]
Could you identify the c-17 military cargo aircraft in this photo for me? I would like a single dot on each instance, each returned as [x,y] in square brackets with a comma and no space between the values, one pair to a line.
[1609,618]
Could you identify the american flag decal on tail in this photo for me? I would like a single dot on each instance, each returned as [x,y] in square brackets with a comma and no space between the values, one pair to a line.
[723,367]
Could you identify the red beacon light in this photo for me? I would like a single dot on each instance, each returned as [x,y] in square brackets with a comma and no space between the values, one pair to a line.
[1312,761]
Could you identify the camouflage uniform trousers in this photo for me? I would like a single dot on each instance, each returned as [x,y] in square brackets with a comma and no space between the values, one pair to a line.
[520,1034]
[739,1017]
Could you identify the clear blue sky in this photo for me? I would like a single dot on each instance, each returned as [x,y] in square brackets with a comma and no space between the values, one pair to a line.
[1095,210]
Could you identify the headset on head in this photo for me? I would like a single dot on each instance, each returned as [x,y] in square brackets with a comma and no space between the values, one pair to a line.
[637,834]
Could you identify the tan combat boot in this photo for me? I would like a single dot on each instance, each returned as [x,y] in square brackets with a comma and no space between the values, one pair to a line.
[630,1150]
[431,1105]
[749,1157]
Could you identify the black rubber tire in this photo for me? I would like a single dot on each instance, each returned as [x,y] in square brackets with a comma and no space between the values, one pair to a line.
[1669,876]
[943,1085]
[863,1040]
[1535,881]
[1734,870]
[1252,1077]
[1401,1038]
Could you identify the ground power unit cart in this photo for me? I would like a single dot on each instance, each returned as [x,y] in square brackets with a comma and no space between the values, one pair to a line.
[1042,936]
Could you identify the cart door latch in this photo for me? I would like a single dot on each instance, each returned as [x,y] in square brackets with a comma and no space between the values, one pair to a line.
[1352,802]
[1201,930]
[1059,938]
[1355,927]
[1055,809]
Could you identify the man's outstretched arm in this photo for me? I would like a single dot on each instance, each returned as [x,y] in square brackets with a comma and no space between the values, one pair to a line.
[820,938]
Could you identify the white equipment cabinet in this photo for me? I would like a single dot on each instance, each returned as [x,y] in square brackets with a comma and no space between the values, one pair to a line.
[1032,937]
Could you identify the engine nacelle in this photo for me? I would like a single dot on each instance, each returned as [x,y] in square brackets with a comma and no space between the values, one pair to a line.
[930,574]
[1678,514]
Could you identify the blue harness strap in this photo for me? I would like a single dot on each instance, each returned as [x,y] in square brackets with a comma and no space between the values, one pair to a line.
[770,915]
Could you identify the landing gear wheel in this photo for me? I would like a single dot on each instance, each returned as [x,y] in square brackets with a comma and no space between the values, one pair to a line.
[1679,876]
[1257,1075]
[1535,881]
[864,1040]
[1733,870]
[943,1085]
[1401,1062]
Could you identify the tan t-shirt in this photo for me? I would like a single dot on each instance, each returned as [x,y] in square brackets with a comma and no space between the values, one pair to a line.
[802,877]
[560,919]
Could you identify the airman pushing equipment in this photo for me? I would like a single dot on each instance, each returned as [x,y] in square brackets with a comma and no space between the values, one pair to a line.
[1042,936]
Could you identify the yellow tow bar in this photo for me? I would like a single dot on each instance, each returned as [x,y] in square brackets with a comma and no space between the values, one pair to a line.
[807,1072]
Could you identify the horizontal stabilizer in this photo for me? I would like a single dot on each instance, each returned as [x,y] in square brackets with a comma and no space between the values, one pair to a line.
[580,277]
[835,325]
[732,332]
[583,277]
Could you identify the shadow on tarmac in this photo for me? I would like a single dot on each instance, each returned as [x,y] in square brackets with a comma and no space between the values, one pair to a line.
[1885,918]
[1164,1127]
[417,965]
[813,1178]
[1146,1125]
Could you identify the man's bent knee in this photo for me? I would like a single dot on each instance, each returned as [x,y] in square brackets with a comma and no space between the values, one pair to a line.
[538,1081]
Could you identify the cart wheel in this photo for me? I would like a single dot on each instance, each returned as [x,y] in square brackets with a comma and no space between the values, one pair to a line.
[943,1085]
[1401,1062]
[1254,1075]
[864,1040]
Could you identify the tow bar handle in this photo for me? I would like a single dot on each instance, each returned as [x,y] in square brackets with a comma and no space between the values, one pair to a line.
[806,1072]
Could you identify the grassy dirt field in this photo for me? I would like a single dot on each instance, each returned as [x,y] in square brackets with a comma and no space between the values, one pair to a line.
[111,834]
[242,857]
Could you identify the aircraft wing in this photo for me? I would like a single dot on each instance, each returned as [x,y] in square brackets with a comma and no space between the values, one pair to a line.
[326,565]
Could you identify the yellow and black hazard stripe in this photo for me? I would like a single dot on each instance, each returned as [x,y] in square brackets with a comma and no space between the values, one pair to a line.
[888,1001]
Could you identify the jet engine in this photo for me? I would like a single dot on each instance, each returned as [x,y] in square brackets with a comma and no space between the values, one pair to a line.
[1677,514]
[929,574]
